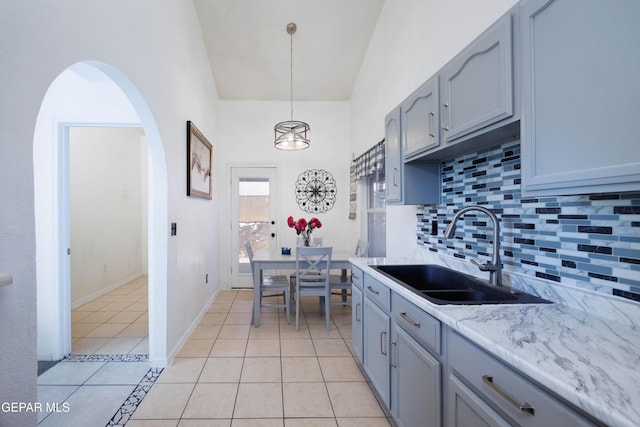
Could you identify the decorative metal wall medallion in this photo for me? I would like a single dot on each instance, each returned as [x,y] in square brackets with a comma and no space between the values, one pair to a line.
[315,191]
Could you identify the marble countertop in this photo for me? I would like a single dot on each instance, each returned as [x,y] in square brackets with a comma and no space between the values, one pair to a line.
[593,361]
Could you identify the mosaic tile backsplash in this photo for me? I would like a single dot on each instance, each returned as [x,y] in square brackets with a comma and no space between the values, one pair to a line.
[590,241]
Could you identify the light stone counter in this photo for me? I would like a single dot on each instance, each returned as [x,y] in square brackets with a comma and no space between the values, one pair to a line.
[585,347]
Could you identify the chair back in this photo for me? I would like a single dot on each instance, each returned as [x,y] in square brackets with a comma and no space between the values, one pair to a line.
[313,265]
[249,250]
[362,248]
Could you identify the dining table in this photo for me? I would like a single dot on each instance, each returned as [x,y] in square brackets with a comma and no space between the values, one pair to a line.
[276,260]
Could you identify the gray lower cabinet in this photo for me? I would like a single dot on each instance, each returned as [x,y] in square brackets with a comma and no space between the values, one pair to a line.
[377,328]
[466,408]
[356,321]
[484,391]
[415,383]
[580,96]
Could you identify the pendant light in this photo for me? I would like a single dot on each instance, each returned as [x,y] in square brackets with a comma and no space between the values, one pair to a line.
[292,135]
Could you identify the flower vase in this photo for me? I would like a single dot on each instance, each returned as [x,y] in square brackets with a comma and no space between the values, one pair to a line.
[304,240]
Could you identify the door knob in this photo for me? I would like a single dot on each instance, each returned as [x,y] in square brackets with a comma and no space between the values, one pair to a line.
[273,223]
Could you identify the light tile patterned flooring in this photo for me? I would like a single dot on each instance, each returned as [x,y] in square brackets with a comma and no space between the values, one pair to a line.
[229,373]
[114,323]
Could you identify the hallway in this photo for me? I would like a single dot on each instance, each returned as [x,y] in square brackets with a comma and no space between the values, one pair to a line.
[229,373]
[114,323]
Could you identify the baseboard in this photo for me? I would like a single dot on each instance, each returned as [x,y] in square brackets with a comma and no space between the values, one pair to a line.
[173,354]
[79,302]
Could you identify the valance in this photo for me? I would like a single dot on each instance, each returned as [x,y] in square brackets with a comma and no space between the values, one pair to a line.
[372,161]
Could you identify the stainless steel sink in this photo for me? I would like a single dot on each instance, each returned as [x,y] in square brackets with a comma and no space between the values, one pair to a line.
[442,285]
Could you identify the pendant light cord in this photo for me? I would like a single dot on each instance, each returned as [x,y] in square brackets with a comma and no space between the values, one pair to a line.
[291,74]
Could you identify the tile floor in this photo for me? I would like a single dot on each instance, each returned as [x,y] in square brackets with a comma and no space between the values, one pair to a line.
[233,374]
[229,373]
[114,323]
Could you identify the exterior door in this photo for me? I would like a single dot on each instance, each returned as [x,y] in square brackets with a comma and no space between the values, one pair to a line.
[253,218]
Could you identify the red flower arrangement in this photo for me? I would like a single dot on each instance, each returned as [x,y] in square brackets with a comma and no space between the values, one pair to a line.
[303,227]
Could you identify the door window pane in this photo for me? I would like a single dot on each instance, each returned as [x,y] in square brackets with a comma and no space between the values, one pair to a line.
[253,218]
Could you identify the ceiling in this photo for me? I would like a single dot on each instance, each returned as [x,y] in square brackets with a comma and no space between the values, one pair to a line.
[249,47]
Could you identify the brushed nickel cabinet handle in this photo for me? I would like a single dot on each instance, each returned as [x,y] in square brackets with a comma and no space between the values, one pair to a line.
[444,109]
[393,364]
[357,312]
[522,407]
[430,119]
[382,349]
[373,290]
[409,320]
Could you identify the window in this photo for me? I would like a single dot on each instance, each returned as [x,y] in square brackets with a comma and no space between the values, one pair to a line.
[376,215]
[369,169]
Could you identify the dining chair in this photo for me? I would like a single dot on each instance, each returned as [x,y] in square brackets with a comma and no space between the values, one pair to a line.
[312,278]
[343,282]
[272,286]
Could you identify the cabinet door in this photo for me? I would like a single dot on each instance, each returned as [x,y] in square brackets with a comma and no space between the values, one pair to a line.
[415,383]
[420,125]
[465,408]
[581,96]
[376,348]
[356,321]
[477,85]
[393,156]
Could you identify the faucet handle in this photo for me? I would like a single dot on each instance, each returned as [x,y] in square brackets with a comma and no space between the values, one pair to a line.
[483,267]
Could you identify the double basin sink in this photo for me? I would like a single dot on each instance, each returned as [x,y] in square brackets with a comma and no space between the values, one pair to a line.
[441,285]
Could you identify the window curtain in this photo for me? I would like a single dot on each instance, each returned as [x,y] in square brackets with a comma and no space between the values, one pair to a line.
[372,161]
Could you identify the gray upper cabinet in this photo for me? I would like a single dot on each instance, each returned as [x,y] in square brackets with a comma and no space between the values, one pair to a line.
[476,87]
[581,96]
[393,156]
[420,118]
[407,183]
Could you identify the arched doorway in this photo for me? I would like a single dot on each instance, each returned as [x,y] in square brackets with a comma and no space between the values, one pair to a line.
[61,107]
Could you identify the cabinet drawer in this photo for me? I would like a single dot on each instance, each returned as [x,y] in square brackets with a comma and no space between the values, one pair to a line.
[422,326]
[377,292]
[517,397]
[356,277]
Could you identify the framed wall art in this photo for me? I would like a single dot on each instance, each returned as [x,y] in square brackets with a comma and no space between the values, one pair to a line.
[199,163]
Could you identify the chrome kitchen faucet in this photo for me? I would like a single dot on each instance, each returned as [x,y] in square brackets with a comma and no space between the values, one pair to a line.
[495,266]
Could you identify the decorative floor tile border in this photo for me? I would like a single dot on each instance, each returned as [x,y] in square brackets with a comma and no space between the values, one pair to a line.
[124,413]
[130,405]
[107,358]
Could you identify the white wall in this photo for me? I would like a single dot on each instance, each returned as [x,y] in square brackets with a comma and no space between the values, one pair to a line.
[246,138]
[106,206]
[412,40]
[155,50]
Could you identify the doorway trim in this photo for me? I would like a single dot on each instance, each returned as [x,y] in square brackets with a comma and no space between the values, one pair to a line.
[50,227]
